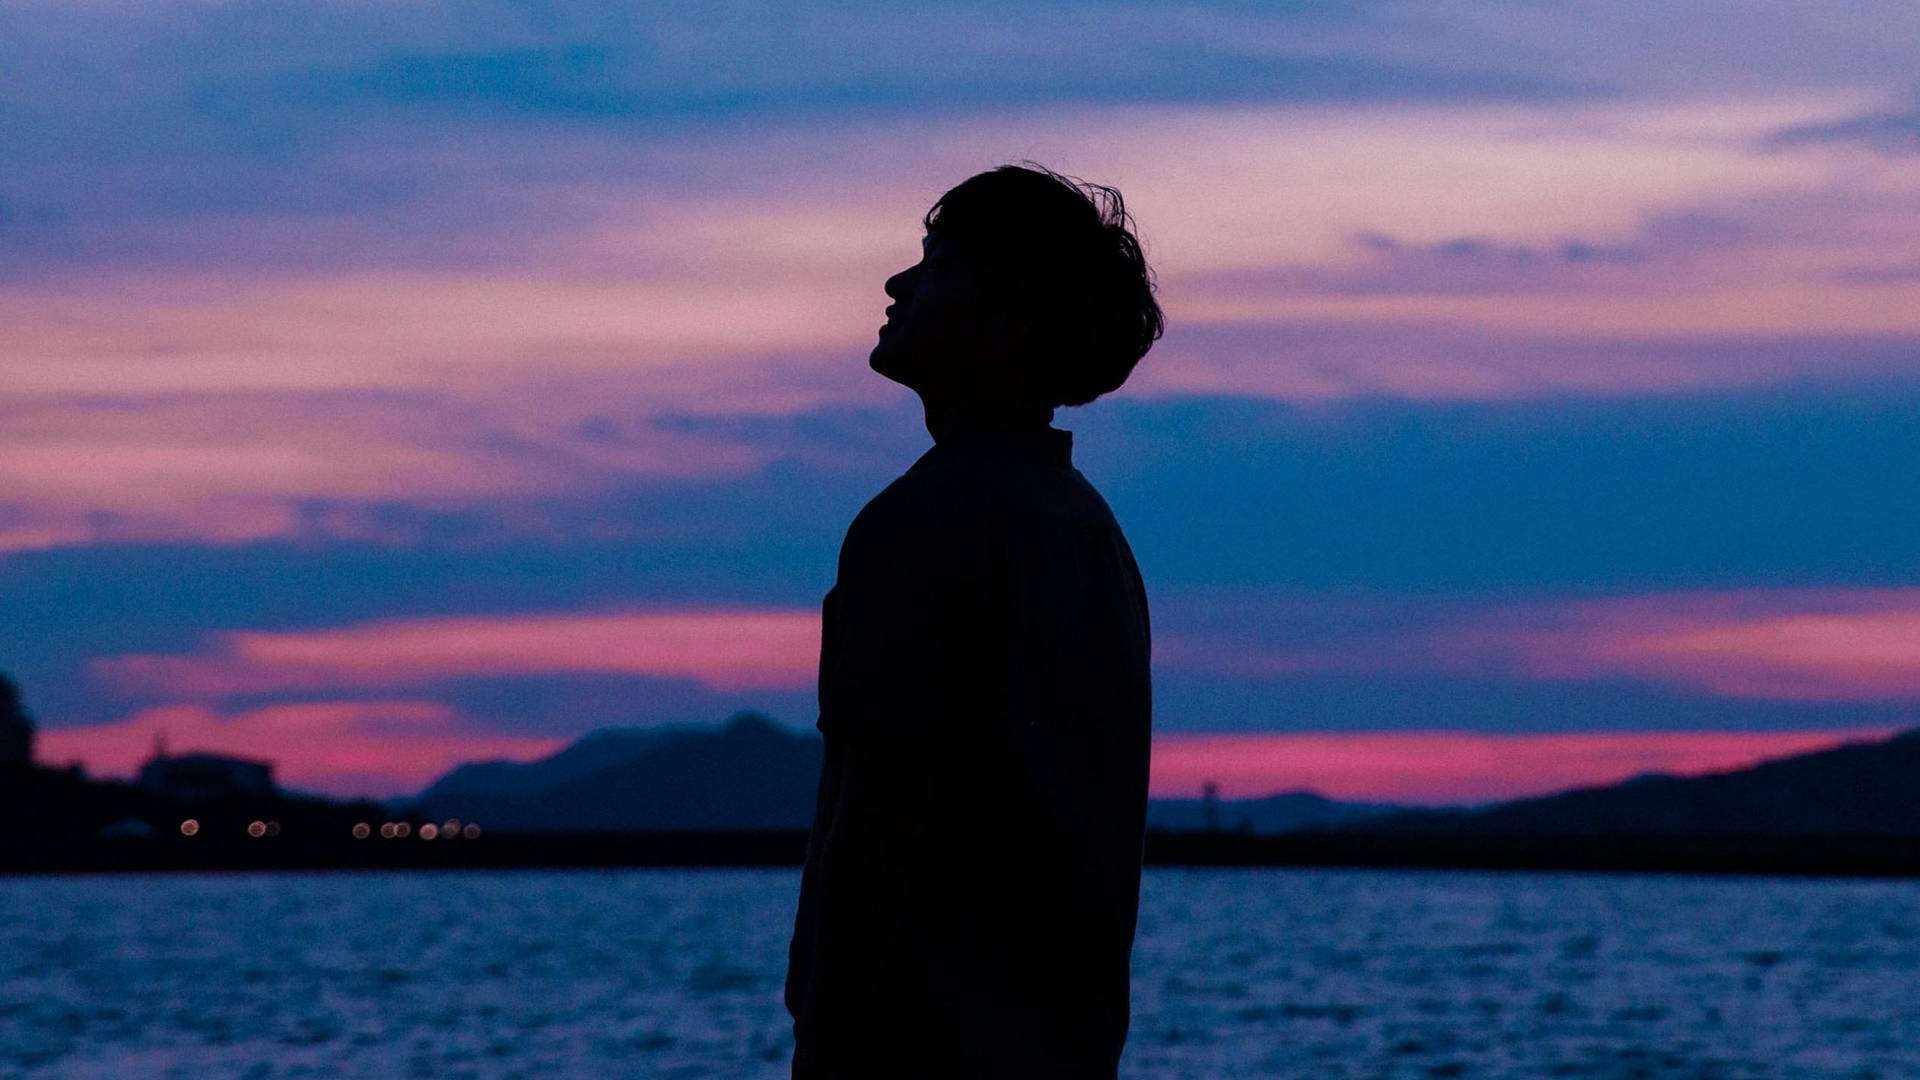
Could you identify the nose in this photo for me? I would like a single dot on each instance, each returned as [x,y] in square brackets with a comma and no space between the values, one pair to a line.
[900,285]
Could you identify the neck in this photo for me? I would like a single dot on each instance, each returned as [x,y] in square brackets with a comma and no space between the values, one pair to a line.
[947,416]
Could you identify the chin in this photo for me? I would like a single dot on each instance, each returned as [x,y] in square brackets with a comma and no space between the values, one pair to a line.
[886,361]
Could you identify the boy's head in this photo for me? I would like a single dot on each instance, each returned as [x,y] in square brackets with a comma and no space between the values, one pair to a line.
[1031,287]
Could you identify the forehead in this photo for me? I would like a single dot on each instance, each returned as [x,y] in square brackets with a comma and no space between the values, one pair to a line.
[941,245]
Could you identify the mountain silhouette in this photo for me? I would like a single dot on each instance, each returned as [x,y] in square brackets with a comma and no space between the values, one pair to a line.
[753,773]
[749,774]
[581,759]
[1864,787]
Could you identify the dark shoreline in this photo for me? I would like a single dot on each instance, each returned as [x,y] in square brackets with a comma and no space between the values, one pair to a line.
[1852,855]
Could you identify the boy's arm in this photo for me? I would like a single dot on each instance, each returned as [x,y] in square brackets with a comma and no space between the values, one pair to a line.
[901,673]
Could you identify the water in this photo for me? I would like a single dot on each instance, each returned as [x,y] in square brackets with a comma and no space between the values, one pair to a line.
[1238,973]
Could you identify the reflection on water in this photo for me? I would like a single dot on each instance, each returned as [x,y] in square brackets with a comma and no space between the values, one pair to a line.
[600,975]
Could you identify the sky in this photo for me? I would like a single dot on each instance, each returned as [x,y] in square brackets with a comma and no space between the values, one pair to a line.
[387,385]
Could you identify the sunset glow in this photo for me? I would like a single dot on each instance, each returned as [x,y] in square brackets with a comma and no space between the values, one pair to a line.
[376,748]
[1816,645]
[1441,767]
[1538,404]
[728,650]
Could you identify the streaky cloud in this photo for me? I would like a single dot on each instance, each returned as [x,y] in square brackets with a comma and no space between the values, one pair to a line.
[1859,645]
[617,84]
[725,650]
[1441,767]
[1894,133]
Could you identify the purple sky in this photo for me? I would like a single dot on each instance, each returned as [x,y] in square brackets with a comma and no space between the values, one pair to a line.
[387,386]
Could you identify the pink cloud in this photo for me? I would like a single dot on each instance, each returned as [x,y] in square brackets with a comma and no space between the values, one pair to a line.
[389,747]
[249,465]
[208,404]
[726,650]
[346,748]
[1793,645]
[1812,645]
[1458,767]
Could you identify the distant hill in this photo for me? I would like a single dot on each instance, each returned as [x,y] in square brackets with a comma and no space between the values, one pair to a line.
[1287,812]
[755,774]
[750,774]
[583,758]
[1867,787]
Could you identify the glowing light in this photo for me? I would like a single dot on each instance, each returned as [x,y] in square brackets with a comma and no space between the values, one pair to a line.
[401,829]
[451,828]
[189,827]
[361,830]
[387,831]
[256,829]
[429,831]
[471,831]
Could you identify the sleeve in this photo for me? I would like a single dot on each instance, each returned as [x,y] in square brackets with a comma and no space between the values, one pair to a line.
[901,667]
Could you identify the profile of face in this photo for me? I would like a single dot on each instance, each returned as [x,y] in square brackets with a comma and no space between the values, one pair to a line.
[944,332]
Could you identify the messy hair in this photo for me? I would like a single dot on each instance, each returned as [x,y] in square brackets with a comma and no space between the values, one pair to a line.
[1063,252]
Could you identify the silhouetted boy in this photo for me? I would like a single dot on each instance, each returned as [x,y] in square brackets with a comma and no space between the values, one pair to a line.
[973,874]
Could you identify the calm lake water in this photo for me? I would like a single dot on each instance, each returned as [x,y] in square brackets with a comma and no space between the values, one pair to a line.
[601,975]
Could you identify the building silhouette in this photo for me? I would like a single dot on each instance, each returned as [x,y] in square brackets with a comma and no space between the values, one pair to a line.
[16,729]
[204,777]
